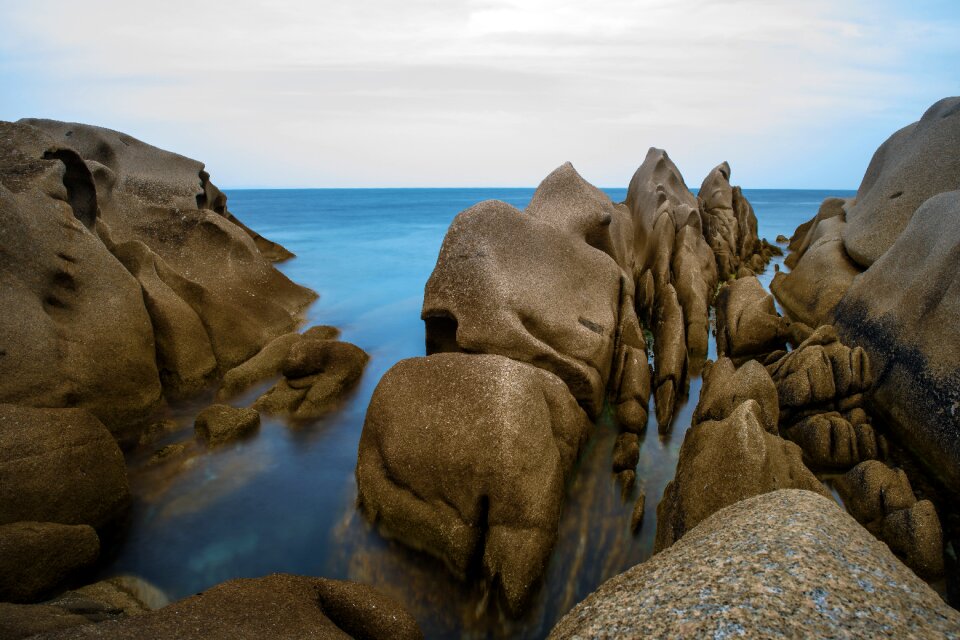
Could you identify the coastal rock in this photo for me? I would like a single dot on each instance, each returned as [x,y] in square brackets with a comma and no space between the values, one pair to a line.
[36,557]
[748,324]
[140,284]
[27,620]
[903,311]
[915,535]
[669,356]
[821,375]
[783,564]
[726,387]
[219,424]
[465,457]
[811,230]
[914,164]
[722,462]
[275,606]
[871,490]
[636,517]
[335,369]
[695,279]
[720,225]
[626,452]
[268,362]
[60,465]
[830,441]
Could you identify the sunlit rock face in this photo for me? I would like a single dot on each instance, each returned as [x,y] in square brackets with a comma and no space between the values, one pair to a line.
[131,279]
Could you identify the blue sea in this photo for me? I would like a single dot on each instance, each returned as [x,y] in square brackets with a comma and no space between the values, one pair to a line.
[285,499]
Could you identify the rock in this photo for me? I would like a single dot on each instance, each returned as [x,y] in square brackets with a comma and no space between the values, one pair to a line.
[785,564]
[914,164]
[695,280]
[37,557]
[830,441]
[275,606]
[465,456]
[172,451]
[872,490]
[626,452]
[903,311]
[26,620]
[336,367]
[812,230]
[140,283]
[782,239]
[726,387]
[748,324]
[914,534]
[529,288]
[812,290]
[722,462]
[268,362]
[321,332]
[627,479]
[821,375]
[113,598]
[60,465]
[636,517]
[670,356]
[720,225]
[220,423]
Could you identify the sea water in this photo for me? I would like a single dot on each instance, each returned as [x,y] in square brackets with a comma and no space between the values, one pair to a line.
[284,500]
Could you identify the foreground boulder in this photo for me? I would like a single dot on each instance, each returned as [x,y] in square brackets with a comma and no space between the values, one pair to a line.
[36,557]
[722,462]
[465,457]
[60,465]
[276,606]
[131,279]
[785,564]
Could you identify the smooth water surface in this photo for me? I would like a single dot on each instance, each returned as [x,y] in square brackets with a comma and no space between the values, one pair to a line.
[284,499]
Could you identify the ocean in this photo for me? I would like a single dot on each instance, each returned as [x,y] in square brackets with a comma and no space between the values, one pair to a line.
[285,499]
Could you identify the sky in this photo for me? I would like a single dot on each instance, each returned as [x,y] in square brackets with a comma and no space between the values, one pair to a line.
[380,93]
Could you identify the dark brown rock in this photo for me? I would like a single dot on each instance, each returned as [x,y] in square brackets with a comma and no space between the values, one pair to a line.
[830,441]
[266,363]
[872,490]
[915,535]
[60,465]
[748,324]
[37,557]
[626,452]
[636,517]
[26,620]
[786,564]
[670,356]
[726,387]
[722,462]
[465,456]
[220,423]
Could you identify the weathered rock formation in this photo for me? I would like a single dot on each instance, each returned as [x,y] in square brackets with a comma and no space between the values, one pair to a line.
[782,564]
[275,606]
[881,267]
[748,325]
[220,423]
[131,279]
[465,457]
[36,557]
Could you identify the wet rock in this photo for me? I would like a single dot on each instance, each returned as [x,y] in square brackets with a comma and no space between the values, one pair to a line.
[113,598]
[748,324]
[915,535]
[670,356]
[626,452]
[782,239]
[627,479]
[220,424]
[872,490]
[275,606]
[726,387]
[60,465]
[465,457]
[37,557]
[821,375]
[26,620]
[636,517]
[321,332]
[722,462]
[830,441]
[758,568]
[695,279]
[139,281]
[335,369]
[268,362]
[171,452]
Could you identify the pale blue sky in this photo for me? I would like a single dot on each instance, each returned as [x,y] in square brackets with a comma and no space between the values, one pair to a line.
[487,92]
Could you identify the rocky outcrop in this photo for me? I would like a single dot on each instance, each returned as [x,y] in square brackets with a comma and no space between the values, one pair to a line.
[832,441]
[726,387]
[782,564]
[62,466]
[725,461]
[465,457]
[131,279]
[37,557]
[220,424]
[276,606]
[748,325]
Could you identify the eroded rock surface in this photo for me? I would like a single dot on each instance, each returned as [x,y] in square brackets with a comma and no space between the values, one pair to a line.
[748,324]
[36,557]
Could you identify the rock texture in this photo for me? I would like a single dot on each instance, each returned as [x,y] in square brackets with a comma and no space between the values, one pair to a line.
[37,557]
[220,423]
[787,564]
[131,278]
[722,462]
[726,387]
[276,606]
[466,457]
[60,465]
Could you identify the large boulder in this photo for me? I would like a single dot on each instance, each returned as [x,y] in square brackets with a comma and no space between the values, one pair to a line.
[831,441]
[903,311]
[722,462]
[748,324]
[787,564]
[275,606]
[914,164]
[130,276]
[60,465]
[37,557]
[726,387]
[465,457]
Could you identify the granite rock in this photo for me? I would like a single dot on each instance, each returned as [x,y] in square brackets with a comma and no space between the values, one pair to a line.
[37,557]
[220,424]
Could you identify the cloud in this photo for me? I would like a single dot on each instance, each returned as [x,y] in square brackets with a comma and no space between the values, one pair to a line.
[486,92]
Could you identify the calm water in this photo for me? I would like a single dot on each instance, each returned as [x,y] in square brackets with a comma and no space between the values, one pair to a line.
[284,500]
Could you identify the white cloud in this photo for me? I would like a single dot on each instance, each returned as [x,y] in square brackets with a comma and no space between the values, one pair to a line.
[374,92]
